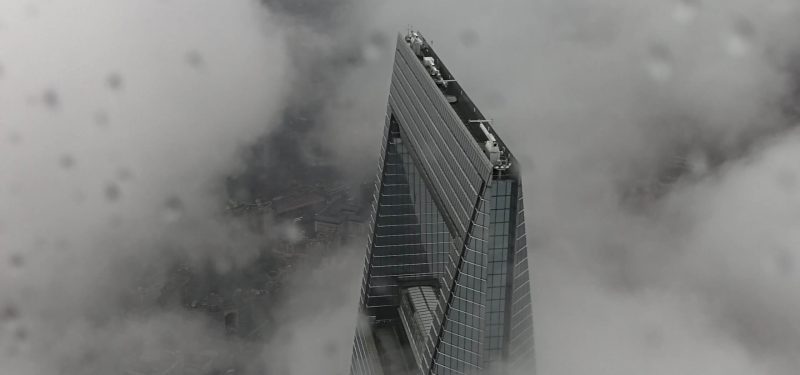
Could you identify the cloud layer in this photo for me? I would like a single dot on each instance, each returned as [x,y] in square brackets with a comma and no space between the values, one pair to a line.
[118,121]
[651,136]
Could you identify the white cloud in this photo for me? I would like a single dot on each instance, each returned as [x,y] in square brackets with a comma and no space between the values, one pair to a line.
[113,110]
[594,98]
[118,121]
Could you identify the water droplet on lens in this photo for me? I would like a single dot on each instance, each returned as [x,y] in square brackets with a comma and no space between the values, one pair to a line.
[31,10]
[124,174]
[51,99]
[223,265]
[330,349]
[14,138]
[784,263]
[740,41]
[115,221]
[173,209]
[194,58]
[686,10]
[114,81]
[10,312]
[469,38]
[379,39]
[39,243]
[101,118]
[787,180]
[62,244]
[697,162]
[112,192]
[79,196]
[659,63]
[654,338]
[370,53]
[66,161]
[21,334]
[745,28]
[16,260]
[496,99]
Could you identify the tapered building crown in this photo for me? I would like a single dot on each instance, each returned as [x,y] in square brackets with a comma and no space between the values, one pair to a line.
[446,288]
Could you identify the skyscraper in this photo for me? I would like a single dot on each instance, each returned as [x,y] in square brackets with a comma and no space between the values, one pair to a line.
[446,287]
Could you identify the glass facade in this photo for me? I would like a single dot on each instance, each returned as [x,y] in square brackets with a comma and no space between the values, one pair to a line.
[446,217]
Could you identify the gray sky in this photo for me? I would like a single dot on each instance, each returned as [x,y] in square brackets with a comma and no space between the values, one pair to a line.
[110,112]
[595,97]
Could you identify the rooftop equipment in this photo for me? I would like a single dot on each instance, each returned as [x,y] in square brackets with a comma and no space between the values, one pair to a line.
[430,64]
[490,147]
[415,39]
[497,156]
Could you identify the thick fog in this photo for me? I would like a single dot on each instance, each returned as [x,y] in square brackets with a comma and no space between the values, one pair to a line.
[119,122]
[656,138]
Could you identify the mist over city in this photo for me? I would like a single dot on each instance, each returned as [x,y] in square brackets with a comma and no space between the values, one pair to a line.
[187,186]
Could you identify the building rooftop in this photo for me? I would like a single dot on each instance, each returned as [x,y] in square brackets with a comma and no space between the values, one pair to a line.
[478,125]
